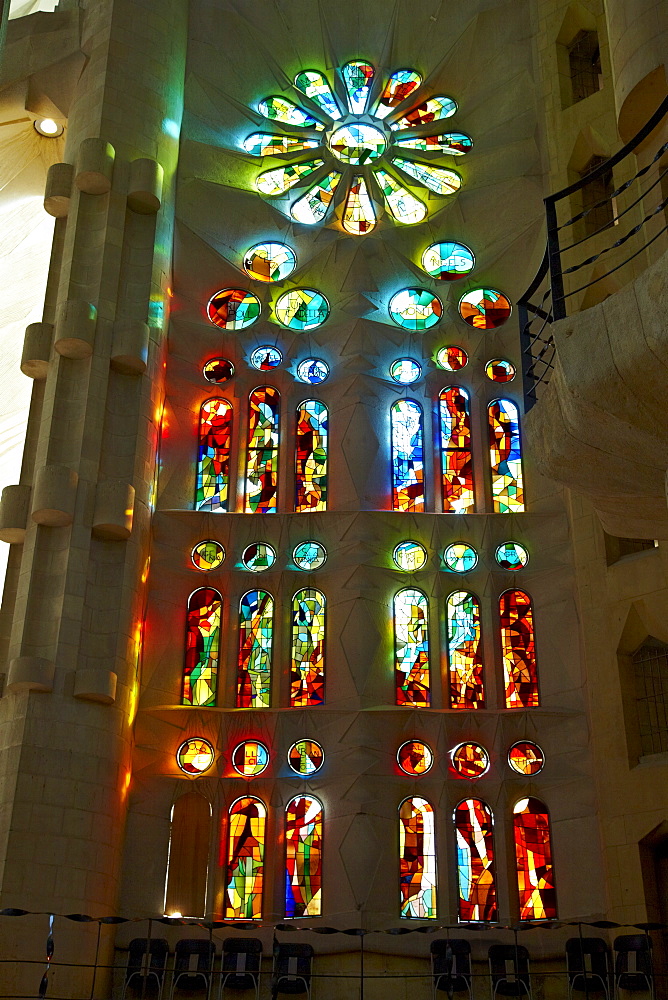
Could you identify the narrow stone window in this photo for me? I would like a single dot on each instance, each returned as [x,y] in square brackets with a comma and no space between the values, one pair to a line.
[650,673]
[188,862]
[584,59]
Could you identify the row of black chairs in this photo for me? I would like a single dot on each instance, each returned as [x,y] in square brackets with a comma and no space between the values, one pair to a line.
[588,967]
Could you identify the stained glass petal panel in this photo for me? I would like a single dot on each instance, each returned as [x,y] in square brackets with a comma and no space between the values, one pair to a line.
[311,456]
[279,109]
[417,859]
[245,860]
[200,673]
[520,671]
[401,84]
[533,855]
[454,143]
[475,861]
[359,216]
[312,207]
[433,110]
[256,632]
[437,179]
[317,89]
[407,456]
[303,861]
[269,144]
[411,648]
[281,179]
[465,666]
[403,206]
[307,677]
[358,77]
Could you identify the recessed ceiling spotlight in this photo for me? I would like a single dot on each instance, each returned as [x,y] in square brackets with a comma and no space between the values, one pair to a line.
[48,127]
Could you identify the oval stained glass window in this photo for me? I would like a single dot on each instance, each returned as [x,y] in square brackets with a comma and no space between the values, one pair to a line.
[302,309]
[218,370]
[460,557]
[414,757]
[270,261]
[258,557]
[195,756]
[309,555]
[448,261]
[511,555]
[415,309]
[470,760]
[306,757]
[405,371]
[233,308]
[484,308]
[526,758]
[451,359]
[500,370]
[208,555]
[312,370]
[265,358]
[409,556]
[357,143]
[250,758]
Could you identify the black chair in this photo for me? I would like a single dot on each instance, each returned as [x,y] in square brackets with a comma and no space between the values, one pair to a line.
[633,963]
[292,969]
[240,969]
[193,964]
[451,966]
[147,962]
[588,965]
[509,971]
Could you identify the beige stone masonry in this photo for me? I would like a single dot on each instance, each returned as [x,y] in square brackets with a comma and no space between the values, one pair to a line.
[129,349]
[95,166]
[14,508]
[30,673]
[145,186]
[37,350]
[55,496]
[75,329]
[114,509]
[58,189]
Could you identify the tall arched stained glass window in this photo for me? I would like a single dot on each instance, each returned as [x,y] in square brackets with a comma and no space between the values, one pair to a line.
[307,677]
[256,627]
[411,648]
[262,452]
[475,861]
[520,674]
[505,457]
[200,673]
[303,857]
[456,457]
[213,459]
[311,456]
[245,860]
[533,854]
[465,669]
[407,456]
[417,857]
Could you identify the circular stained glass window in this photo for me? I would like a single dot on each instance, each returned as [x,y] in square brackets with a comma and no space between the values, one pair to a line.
[415,309]
[250,758]
[265,358]
[452,358]
[405,370]
[195,756]
[208,555]
[306,757]
[470,760]
[484,308]
[409,556]
[312,370]
[511,555]
[302,309]
[309,555]
[500,370]
[258,557]
[233,308]
[414,757]
[448,261]
[460,557]
[357,143]
[526,757]
[218,370]
[270,261]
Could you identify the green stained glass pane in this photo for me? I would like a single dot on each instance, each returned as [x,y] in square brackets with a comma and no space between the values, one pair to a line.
[415,308]
[258,557]
[437,179]
[315,86]
[309,555]
[432,110]
[358,77]
[279,109]
[302,309]
[448,261]
[460,557]
[357,143]
[401,85]
[268,144]
[405,208]
[511,555]
[280,179]
[256,616]
[454,143]
[208,555]
[312,207]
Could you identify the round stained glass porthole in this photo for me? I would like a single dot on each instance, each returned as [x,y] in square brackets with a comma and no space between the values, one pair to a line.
[357,143]
[452,358]
[484,308]
[312,370]
[309,555]
[233,308]
[405,371]
[258,557]
[218,370]
[195,756]
[208,555]
[511,555]
[415,309]
[250,758]
[302,309]
[270,261]
[500,370]
[448,261]
[460,557]
[265,358]
[526,758]
[306,757]
[470,760]
[409,556]
[414,758]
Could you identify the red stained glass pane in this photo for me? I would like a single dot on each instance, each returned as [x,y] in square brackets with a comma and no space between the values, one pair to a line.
[520,673]
[470,760]
[213,461]
[245,860]
[417,853]
[262,455]
[414,757]
[311,456]
[533,853]
[456,456]
[256,631]
[475,861]
[307,677]
[505,454]
[200,674]
[526,757]
[303,863]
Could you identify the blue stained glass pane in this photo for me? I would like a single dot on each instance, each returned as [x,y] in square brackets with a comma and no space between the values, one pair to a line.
[407,457]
